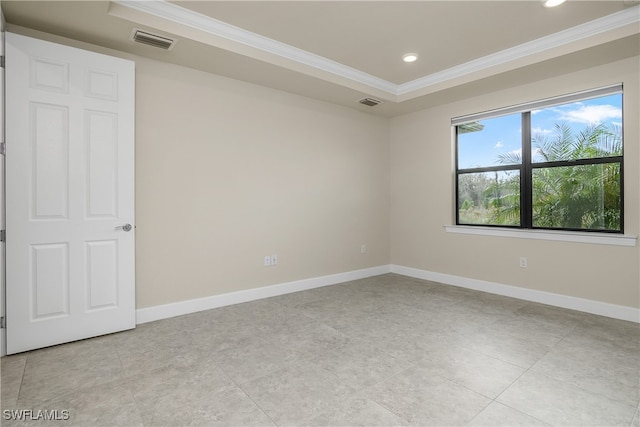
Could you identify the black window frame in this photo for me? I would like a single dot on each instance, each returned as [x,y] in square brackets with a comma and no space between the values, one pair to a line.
[527,166]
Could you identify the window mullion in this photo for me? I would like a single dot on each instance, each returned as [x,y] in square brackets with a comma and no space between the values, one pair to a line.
[457,183]
[526,178]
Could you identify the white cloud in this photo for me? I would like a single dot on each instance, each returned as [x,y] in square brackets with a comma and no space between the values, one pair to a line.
[499,144]
[540,131]
[591,114]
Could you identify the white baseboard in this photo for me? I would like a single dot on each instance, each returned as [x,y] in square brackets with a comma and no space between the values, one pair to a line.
[630,314]
[165,311]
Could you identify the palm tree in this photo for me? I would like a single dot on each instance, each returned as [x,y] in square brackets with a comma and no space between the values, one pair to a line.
[566,196]
[504,199]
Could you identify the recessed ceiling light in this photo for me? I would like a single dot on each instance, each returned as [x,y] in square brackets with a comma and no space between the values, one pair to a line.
[552,3]
[410,57]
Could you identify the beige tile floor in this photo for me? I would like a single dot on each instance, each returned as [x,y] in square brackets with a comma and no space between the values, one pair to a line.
[387,350]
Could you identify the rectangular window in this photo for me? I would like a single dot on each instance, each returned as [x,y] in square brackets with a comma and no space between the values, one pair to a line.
[551,164]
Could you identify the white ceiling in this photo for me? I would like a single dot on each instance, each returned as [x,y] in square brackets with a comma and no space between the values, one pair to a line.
[341,51]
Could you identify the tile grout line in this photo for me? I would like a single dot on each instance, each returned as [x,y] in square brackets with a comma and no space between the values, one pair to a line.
[636,414]
[334,375]
[241,388]
[128,382]
[564,337]
[495,399]
[530,367]
[247,394]
[24,371]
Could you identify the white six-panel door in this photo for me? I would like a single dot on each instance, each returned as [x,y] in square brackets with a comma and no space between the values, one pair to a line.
[69,192]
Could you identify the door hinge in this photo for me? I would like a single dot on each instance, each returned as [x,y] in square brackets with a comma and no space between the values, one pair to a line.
[2,61]
[3,236]
[3,323]
[3,148]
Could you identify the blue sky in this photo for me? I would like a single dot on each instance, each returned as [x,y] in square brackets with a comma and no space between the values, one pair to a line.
[502,135]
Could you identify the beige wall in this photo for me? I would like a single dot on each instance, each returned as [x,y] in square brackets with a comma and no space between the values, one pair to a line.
[422,158]
[227,172]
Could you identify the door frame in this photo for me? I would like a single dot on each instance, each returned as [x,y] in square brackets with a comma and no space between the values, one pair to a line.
[3,331]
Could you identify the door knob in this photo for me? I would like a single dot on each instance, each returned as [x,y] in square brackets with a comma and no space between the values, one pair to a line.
[126,227]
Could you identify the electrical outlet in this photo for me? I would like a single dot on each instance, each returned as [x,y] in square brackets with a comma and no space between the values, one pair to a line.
[523,262]
[274,259]
[363,249]
[267,261]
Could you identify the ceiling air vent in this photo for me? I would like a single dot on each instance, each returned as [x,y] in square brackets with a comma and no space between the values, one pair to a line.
[371,102]
[155,40]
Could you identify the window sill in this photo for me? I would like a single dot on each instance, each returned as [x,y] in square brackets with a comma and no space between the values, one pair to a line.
[563,236]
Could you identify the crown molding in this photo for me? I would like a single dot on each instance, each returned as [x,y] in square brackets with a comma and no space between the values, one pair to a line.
[571,35]
[179,15]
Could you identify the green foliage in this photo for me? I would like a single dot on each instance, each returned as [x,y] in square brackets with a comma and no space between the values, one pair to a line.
[574,197]
[592,142]
[583,196]
[504,198]
[489,198]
